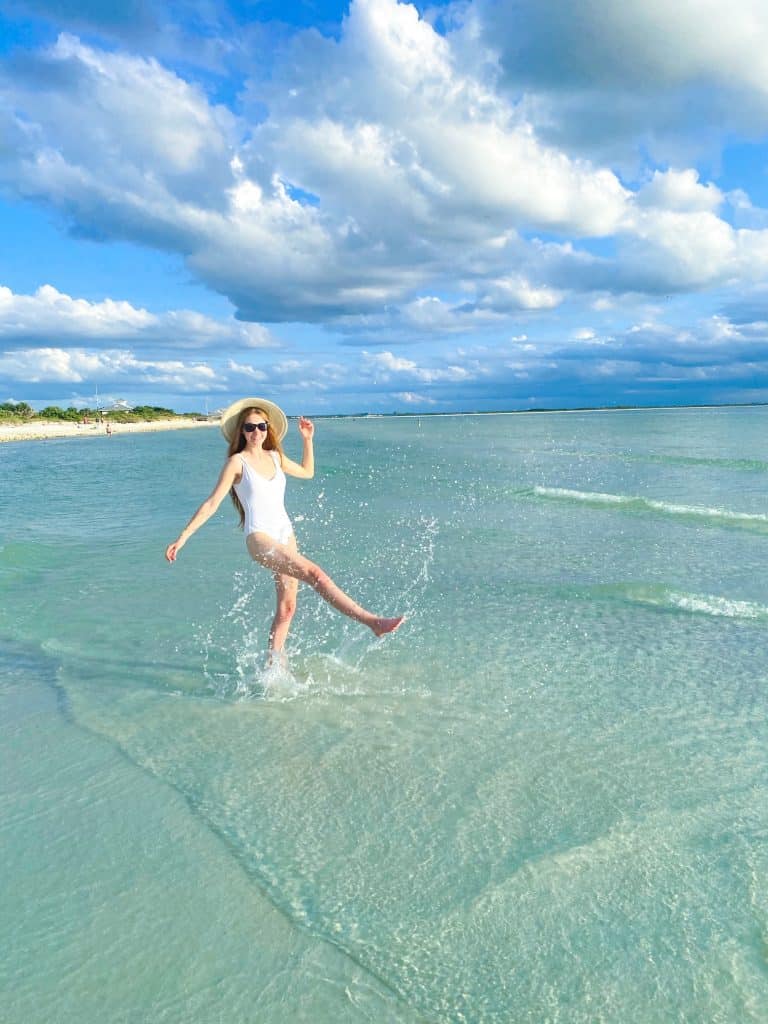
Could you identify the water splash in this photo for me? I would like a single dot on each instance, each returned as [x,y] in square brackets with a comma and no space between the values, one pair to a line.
[326,652]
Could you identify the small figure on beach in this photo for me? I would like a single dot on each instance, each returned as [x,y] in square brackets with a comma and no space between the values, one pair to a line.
[254,476]
[109,429]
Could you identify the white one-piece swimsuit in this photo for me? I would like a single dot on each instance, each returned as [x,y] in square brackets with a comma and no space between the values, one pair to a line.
[263,502]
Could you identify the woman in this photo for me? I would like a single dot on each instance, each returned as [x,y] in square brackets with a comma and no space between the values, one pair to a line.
[254,476]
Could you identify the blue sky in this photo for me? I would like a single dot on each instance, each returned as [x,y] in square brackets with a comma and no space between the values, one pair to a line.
[379,206]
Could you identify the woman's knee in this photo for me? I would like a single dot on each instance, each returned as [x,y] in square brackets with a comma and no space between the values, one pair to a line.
[286,608]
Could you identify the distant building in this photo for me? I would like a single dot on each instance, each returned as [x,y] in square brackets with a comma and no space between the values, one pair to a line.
[119,405]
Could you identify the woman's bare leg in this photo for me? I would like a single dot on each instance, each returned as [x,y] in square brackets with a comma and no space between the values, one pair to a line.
[287,587]
[284,561]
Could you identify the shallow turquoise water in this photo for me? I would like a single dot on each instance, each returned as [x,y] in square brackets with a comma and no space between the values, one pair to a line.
[544,799]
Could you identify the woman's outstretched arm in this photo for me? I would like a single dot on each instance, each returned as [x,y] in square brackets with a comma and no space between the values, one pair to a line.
[223,485]
[307,468]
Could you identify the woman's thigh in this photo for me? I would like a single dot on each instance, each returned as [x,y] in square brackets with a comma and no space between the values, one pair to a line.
[287,586]
[282,559]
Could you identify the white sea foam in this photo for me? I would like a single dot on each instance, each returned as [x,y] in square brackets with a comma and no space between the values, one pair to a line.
[703,604]
[591,496]
[665,507]
[721,606]
[709,513]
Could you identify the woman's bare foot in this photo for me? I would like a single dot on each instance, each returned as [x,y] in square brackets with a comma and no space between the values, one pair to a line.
[382,626]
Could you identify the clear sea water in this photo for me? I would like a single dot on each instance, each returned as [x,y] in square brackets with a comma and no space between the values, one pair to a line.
[545,799]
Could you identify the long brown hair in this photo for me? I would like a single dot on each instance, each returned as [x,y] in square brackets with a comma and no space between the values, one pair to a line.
[271,444]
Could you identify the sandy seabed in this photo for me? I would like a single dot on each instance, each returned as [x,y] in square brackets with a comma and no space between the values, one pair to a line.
[41,430]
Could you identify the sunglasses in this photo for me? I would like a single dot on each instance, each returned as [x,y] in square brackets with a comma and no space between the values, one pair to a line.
[250,427]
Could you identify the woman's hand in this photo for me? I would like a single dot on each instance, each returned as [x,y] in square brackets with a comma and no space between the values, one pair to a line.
[306,428]
[173,549]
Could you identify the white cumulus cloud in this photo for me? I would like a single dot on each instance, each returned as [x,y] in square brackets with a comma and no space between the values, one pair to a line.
[52,316]
[420,171]
[112,366]
[413,398]
[604,74]
[680,190]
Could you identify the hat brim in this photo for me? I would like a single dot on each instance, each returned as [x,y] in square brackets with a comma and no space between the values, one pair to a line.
[277,418]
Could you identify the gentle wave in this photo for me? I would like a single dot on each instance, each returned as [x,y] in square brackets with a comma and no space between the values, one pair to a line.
[753,520]
[702,604]
[746,465]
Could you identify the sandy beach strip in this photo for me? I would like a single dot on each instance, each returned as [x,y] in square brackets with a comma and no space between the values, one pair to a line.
[41,430]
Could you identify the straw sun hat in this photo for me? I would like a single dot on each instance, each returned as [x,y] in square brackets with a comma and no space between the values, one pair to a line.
[277,418]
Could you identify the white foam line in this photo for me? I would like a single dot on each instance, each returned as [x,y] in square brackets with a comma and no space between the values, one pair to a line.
[718,606]
[679,600]
[710,513]
[597,497]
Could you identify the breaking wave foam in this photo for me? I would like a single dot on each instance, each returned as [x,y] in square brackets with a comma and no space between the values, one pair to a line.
[724,516]
[702,604]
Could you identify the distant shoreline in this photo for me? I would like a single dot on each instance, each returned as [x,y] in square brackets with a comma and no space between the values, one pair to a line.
[532,412]
[48,430]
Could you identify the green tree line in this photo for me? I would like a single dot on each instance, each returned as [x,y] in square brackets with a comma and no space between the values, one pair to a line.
[20,412]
